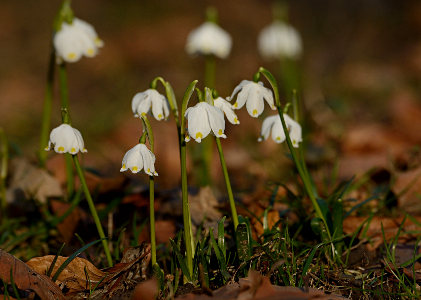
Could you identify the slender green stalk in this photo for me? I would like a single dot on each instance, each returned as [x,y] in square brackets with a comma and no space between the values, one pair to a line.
[64,96]
[46,113]
[210,67]
[301,170]
[227,183]
[152,218]
[4,154]
[92,209]
[188,233]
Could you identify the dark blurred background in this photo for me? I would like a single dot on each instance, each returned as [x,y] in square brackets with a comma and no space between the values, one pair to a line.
[360,58]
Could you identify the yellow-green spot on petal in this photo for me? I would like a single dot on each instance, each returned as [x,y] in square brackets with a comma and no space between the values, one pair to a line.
[71,55]
[235,104]
[254,112]
[199,135]
[278,138]
[60,149]
[160,116]
[73,150]
[124,166]
[134,169]
[90,51]
[143,114]
[98,41]
[149,170]
[236,120]
[220,131]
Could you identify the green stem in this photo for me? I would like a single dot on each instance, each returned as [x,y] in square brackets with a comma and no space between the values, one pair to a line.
[188,234]
[210,67]
[227,183]
[64,96]
[92,209]
[3,173]
[152,218]
[304,177]
[46,113]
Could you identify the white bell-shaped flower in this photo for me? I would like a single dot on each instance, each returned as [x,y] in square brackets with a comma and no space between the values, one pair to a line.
[76,39]
[209,38]
[226,107]
[253,95]
[274,124]
[202,119]
[138,158]
[142,103]
[66,139]
[279,40]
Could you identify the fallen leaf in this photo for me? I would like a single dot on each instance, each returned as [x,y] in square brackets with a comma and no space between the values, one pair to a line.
[31,182]
[203,207]
[390,227]
[78,275]
[26,278]
[258,287]
[81,279]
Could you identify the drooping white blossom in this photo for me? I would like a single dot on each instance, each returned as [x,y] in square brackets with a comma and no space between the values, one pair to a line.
[209,38]
[137,158]
[202,119]
[226,107]
[279,40]
[66,139]
[274,124]
[144,101]
[253,95]
[74,40]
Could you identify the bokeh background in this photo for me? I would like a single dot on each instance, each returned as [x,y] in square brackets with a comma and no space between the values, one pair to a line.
[361,71]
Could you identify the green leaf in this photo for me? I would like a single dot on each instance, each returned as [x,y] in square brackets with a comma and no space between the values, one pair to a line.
[243,242]
[273,83]
[51,268]
[180,260]
[186,98]
[219,256]
[221,237]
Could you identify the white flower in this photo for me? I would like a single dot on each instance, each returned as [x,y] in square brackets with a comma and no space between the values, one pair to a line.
[226,107]
[209,38]
[202,118]
[279,40]
[66,139]
[142,102]
[76,39]
[278,135]
[252,93]
[137,158]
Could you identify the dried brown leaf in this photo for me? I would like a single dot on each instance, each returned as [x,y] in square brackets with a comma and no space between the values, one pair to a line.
[26,278]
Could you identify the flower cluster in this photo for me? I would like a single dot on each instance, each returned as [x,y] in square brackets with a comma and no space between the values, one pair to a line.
[279,40]
[74,40]
[66,139]
[209,39]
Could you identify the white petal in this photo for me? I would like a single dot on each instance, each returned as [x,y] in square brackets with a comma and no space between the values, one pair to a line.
[216,120]
[198,122]
[148,160]
[267,125]
[141,104]
[278,134]
[158,104]
[294,130]
[238,88]
[225,106]
[254,103]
